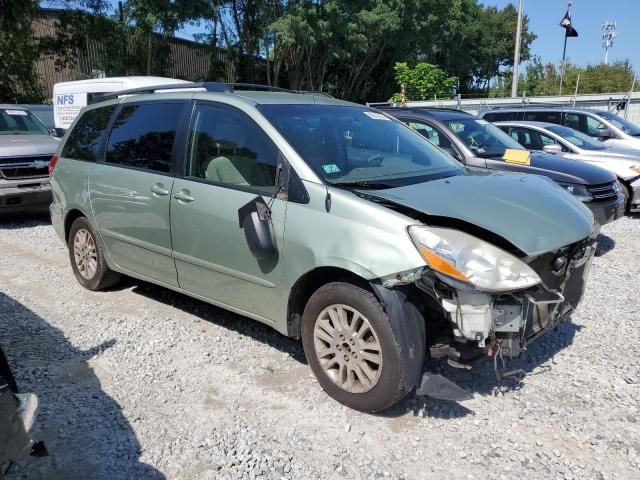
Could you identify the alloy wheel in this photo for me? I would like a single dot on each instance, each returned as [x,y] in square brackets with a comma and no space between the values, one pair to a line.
[348,348]
[85,253]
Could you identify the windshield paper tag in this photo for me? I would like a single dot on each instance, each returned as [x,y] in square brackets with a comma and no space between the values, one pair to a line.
[331,168]
[376,116]
[22,113]
[519,157]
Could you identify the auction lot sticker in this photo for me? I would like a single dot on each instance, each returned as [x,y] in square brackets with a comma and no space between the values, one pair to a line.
[66,108]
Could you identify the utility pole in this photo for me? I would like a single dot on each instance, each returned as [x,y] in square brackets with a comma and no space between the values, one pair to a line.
[608,34]
[516,53]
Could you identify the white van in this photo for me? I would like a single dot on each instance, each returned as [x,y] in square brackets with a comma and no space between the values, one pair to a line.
[70,97]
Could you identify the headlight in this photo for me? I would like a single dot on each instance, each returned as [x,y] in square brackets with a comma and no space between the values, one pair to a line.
[468,259]
[617,187]
[578,191]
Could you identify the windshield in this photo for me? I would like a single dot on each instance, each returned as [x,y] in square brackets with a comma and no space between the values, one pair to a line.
[20,122]
[483,138]
[577,138]
[625,125]
[359,147]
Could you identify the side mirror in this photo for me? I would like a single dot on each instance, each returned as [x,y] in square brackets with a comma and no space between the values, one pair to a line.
[553,148]
[57,132]
[255,220]
[604,133]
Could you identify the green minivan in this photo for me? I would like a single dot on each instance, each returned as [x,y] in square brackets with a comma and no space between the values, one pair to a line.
[329,221]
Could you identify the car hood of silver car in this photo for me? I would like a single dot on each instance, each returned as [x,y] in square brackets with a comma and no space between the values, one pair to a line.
[529,211]
[24,145]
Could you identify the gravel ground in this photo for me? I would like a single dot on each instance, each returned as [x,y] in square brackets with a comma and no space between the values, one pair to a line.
[140,382]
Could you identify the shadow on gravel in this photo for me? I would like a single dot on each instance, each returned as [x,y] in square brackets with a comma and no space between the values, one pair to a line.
[14,221]
[605,244]
[85,432]
[210,313]
[536,360]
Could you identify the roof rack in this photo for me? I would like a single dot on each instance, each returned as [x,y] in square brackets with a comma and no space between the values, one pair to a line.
[412,107]
[208,86]
[516,106]
[217,87]
[256,86]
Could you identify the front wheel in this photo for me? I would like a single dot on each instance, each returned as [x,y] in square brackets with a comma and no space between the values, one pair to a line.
[87,258]
[351,348]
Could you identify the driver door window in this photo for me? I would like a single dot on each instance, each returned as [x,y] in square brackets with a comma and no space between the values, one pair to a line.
[225,148]
[435,136]
[594,127]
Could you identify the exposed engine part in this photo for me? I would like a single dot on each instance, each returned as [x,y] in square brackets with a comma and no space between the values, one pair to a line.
[500,367]
[471,314]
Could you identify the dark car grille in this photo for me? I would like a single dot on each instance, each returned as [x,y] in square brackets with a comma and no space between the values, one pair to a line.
[605,191]
[17,168]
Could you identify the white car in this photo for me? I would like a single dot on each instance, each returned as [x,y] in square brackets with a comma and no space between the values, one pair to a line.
[70,97]
[574,145]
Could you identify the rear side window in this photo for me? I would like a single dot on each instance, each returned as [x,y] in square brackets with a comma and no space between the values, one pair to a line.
[550,117]
[143,135]
[83,142]
[500,116]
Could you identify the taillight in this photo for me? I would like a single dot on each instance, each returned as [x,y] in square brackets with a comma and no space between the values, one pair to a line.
[52,164]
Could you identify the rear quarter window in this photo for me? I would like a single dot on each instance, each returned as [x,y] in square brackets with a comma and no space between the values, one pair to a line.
[549,117]
[500,116]
[83,142]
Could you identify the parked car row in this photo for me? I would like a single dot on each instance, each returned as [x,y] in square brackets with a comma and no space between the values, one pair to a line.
[334,223]
[482,146]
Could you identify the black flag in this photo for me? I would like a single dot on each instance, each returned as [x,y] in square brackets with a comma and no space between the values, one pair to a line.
[566,24]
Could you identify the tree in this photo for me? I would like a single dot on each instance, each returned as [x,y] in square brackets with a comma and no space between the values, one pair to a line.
[18,52]
[423,82]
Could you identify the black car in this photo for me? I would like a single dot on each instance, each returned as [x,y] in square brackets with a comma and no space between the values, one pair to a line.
[482,146]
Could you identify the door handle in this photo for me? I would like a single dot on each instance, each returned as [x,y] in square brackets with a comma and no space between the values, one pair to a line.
[183,196]
[159,190]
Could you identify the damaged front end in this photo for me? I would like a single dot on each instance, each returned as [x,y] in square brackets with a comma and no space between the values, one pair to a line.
[475,310]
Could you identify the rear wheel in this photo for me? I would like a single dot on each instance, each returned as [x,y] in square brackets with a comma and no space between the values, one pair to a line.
[351,347]
[87,258]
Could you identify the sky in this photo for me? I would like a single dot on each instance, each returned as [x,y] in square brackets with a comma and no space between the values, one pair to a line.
[587,17]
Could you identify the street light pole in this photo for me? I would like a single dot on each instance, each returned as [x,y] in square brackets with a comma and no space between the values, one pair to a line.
[564,51]
[516,53]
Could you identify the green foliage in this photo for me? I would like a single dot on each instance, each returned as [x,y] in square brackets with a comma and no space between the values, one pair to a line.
[539,79]
[18,52]
[423,82]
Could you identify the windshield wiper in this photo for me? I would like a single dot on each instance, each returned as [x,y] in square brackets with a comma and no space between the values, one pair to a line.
[362,184]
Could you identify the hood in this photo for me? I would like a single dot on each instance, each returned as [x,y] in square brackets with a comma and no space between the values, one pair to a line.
[563,170]
[529,211]
[628,142]
[614,152]
[22,145]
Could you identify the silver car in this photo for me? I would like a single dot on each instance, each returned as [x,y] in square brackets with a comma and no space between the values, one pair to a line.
[26,147]
[607,127]
[574,145]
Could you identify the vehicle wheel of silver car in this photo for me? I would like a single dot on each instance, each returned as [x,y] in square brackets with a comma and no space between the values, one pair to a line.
[348,348]
[351,347]
[87,259]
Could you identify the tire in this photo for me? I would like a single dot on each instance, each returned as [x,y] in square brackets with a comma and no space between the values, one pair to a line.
[91,270]
[339,370]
